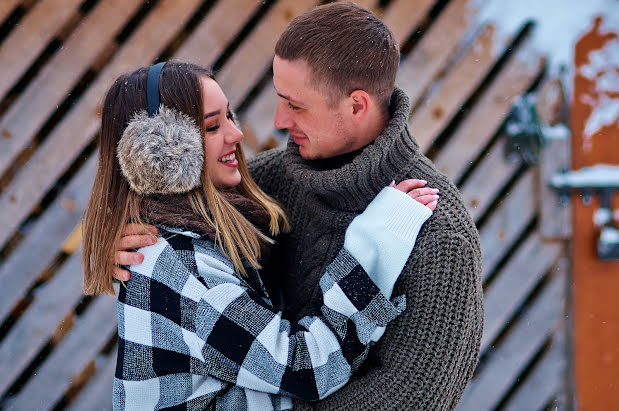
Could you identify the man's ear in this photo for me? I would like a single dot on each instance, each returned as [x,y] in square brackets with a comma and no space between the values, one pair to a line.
[361,103]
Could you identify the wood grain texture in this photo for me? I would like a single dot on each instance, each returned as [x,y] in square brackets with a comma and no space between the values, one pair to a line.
[52,84]
[523,341]
[596,318]
[30,37]
[97,325]
[82,122]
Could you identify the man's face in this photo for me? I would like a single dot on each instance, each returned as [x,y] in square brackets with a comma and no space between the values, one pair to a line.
[319,130]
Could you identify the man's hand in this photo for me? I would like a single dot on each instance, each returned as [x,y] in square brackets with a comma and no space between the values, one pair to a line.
[417,191]
[133,236]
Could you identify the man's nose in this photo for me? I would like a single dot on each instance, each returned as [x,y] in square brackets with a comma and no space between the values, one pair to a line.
[282,118]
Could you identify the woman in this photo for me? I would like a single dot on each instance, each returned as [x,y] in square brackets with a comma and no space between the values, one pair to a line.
[196,327]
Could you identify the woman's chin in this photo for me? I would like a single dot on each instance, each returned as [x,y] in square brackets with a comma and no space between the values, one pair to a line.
[230,182]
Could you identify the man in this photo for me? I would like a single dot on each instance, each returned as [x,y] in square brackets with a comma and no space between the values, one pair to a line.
[334,70]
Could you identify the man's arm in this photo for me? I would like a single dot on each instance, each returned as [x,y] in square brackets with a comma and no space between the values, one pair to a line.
[429,354]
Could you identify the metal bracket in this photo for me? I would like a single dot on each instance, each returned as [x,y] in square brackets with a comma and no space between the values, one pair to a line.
[601,180]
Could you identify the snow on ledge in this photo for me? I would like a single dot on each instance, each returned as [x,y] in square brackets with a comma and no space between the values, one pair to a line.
[599,175]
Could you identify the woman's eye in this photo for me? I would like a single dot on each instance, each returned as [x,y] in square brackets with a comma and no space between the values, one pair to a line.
[213,128]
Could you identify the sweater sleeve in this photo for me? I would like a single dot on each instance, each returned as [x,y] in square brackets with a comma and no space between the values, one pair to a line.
[442,284]
[382,237]
[249,344]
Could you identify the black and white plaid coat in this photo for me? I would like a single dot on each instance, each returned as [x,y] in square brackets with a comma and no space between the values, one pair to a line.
[195,335]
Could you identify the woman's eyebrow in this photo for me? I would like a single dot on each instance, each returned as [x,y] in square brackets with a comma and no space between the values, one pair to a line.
[212,113]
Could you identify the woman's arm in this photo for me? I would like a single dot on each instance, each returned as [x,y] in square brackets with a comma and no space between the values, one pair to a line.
[249,344]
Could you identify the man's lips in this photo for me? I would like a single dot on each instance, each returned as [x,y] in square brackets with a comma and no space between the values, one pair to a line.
[298,138]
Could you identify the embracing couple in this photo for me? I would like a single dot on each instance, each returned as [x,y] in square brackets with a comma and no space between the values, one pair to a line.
[324,275]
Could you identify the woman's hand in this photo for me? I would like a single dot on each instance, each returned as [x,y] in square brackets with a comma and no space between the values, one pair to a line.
[133,236]
[417,191]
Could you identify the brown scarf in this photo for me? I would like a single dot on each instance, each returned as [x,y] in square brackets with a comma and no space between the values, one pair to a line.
[174,210]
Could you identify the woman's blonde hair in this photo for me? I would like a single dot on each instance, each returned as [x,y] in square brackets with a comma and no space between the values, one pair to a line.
[113,204]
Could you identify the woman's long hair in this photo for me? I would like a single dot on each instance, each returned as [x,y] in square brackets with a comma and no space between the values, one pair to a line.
[113,204]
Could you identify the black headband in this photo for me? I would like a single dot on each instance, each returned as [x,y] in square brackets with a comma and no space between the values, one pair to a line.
[152,88]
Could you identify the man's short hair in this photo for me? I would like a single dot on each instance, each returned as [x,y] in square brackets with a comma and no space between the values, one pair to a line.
[346,47]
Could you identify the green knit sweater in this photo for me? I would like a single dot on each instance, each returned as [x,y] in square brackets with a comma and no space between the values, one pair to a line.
[428,355]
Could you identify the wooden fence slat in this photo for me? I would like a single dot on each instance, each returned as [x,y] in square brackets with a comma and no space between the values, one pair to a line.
[31,36]
[435,49]
[98,392]
[546,379]
[45,239]
[25,117]
[403,16]
[555,157]
[257,122]
[63,144]
[434,114]
[488,113]
[253,57]
[7,7]
[90,333]
[507,222]
[488,178]
[523,342]
[514,283]
[217,29]
[52,303]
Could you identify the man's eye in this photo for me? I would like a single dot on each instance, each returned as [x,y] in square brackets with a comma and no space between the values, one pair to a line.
[295,108]
[213,128]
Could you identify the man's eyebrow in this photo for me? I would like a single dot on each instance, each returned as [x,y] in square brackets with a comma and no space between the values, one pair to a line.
[290,99]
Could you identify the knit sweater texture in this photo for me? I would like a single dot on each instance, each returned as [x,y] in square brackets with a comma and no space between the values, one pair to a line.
[428,355]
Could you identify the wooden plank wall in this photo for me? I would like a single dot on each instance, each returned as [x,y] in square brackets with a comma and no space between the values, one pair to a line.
[57,347]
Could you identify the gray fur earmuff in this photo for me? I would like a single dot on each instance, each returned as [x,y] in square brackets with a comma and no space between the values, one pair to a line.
[162,154]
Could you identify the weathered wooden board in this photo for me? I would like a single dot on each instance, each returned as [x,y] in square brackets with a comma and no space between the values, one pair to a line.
[488,178]
[546,380]
[253,57]
[435,49]
[98,391]
[52,85]
[218,29]
[81,123]
[97,325]
[44,240]
[7,7]
[482,123]
[507,223]
[31,36]
[514,284]
[440,107]
[524,340]
[594,141]
[53,301]
[555,215]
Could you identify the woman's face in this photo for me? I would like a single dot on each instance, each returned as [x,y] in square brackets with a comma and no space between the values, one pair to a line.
[221,136]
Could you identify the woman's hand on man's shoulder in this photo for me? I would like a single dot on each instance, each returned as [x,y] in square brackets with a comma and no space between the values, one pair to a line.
[133,236]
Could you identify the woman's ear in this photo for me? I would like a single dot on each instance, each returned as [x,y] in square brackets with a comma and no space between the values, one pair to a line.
[361,103]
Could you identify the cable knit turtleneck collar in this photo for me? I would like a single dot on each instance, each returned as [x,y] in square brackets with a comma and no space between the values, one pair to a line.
[352,183]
